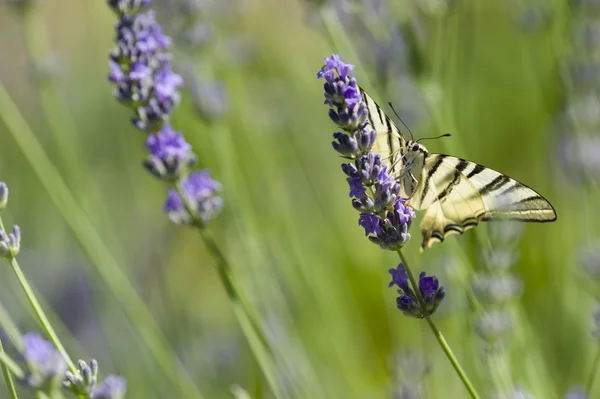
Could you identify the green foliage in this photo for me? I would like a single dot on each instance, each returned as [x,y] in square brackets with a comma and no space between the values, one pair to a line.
[480,71]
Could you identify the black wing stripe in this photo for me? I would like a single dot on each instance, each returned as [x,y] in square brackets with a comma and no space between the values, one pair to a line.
[491,217]
[459,227]
[450,185]
[434,168]
[512,188]
[528,199]
[382,117]
[390,138]
[462,165]
[454,227]
[478,169]
[495,184]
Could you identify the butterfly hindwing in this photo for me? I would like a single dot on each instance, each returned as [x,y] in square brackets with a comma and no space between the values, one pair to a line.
[457,194]
[451,202]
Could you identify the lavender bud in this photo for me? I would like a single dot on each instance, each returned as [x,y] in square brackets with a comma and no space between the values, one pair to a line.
[365,138]
[3,195]
[345,145]
[409,306]
[10,244]
[82,383]
[431,291]
[496,289]
[493,325]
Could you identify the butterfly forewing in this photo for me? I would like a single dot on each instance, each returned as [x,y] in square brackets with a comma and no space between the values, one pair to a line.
[390,143]
[506,198]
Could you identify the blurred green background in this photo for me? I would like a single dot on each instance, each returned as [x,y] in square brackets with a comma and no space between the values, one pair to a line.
[516,83]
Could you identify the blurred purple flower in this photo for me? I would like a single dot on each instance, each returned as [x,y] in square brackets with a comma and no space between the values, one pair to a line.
[201,193]
[169,154]
[46,365]
[112,387]
[576,393]
[140,66]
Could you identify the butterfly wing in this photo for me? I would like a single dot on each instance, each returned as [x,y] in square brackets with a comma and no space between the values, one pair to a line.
[390,143]
[456,194]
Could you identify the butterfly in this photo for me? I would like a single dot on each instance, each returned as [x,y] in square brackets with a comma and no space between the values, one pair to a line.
[455,194]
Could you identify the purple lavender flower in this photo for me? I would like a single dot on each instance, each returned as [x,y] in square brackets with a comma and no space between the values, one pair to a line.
[407,302]
[46,365]
[200,191]
[374,192]
[429,289]
[431,292]
[169,154]
[112,387]
[140,68]
[399,277]
[140,65]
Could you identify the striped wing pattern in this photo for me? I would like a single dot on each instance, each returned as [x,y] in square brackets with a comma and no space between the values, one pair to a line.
[458,194]
[390,143]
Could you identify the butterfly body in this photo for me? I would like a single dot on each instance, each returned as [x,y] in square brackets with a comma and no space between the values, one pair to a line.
[410,174]
[455,194]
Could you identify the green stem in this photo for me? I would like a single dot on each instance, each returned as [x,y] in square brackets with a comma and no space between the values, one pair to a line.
[10,365]
[11,330]
[96,249]
[39,312]
[589,383]
[247,319]
[438,334]
[8,378]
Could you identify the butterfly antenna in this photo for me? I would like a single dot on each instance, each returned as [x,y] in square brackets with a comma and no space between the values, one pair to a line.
[401,121]
[436,137]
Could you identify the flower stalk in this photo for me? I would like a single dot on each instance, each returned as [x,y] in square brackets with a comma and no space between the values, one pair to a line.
[377,196]
[140,69]
[438,334]
[7,375]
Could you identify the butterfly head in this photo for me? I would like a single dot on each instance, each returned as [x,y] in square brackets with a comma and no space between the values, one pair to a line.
[416,149]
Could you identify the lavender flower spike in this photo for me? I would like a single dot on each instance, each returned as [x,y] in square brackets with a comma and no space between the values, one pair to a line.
[375,193]
[140,66]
